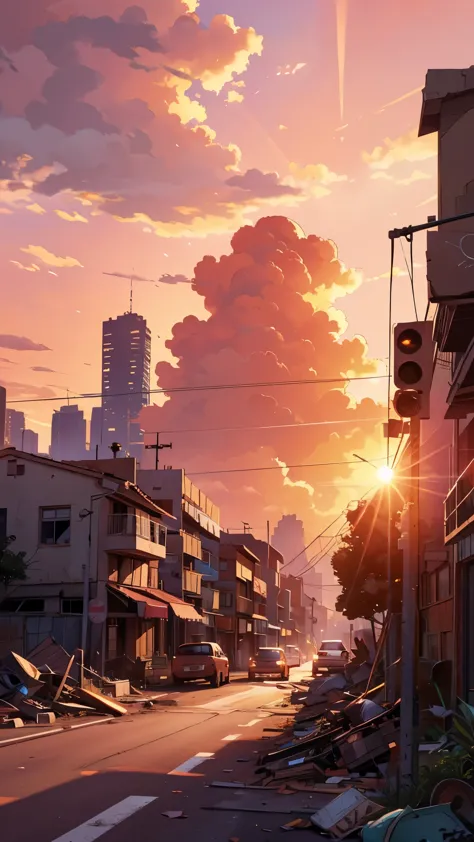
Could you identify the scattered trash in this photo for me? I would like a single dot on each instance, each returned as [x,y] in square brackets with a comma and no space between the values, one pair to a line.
[174,814]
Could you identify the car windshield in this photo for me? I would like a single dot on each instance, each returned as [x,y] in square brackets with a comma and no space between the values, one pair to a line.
[195,649]
[334,645]
[269,654]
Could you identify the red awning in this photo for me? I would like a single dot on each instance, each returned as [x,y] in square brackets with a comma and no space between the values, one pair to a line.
[147,607]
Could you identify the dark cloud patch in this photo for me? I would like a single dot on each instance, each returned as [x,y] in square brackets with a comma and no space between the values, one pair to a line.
[262,185]
[20,343]
[174,279]
[180,74]
[43,368]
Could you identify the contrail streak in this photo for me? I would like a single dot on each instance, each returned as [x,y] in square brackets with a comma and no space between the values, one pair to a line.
[400,99]
[341,21]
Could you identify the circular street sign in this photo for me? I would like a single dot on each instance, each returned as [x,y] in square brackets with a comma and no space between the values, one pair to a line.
[97,611]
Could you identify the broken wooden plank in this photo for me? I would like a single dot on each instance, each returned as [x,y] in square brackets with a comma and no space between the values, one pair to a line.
[64,678]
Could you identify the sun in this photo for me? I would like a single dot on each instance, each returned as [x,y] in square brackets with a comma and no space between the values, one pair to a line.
[385,474]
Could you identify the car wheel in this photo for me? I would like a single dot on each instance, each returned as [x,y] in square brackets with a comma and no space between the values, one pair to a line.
[214,681]
[178,681]
[221,679]
[251,676]
[286,676]
[227,680]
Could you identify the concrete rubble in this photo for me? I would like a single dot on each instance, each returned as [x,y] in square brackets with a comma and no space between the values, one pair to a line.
[33,692]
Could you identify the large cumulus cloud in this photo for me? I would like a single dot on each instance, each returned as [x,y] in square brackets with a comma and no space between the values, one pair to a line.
[106,107]
[265,325]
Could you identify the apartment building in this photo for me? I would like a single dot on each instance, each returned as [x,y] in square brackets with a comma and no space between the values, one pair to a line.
[448,109]
[237,632]
[191,568]
[94,543]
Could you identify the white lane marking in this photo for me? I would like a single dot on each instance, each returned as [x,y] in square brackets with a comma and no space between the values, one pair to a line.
[227,701]
[249,724]
[231,738]
[105,821]
[190,764]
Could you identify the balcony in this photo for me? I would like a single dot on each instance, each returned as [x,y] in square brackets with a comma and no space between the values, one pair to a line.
[192,582]
[184,543]
[459,507]
[244,606]
[135,535]
[210,599]
[461,394]
[260,587]
[204,521]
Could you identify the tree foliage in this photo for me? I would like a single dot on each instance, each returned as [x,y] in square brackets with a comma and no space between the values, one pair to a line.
[360,564]
[12,566]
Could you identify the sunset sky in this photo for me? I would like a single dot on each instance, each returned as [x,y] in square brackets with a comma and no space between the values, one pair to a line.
[141,143]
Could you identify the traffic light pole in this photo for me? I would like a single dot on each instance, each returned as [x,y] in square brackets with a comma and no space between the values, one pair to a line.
[409,663]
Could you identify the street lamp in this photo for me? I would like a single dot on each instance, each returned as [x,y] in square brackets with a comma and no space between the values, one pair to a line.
[384,473]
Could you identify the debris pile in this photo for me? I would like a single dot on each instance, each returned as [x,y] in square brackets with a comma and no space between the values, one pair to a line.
[336,761]
[38,694]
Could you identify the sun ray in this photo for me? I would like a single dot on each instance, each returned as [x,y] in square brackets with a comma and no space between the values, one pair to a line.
[341,22]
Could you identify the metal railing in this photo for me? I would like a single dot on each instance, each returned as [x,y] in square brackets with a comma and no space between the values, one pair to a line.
[137,526]
[244,605]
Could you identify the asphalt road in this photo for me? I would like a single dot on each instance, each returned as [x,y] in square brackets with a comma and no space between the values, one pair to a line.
[58,788]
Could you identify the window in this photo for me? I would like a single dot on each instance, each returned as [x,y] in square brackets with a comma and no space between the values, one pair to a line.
[444,583]
[446,646]
[269,654]
[3,524]
[226,599]
[153,577]
[56,526]
[334,645]
[30,606]
[72,606]
[195,649]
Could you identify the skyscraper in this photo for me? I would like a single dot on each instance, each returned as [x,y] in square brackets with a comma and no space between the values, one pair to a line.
[95,442]
[126,359]
[3,415]
[68,434]
[14,427]
[30,442]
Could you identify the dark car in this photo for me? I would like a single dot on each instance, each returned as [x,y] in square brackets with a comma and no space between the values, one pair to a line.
[269,662]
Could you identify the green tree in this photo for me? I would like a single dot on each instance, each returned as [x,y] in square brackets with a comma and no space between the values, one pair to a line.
[12,566]
[360,563]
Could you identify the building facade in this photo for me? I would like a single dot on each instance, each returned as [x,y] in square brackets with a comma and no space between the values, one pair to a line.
[14,427]
[126,361]
[237,628]
[191,568]
[3,415]
[30,442]
[94,543]
[447,589]
[68,434]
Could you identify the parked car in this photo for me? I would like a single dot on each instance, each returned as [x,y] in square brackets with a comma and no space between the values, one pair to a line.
[293,656]
[204,661]
[269,662]
[332,656]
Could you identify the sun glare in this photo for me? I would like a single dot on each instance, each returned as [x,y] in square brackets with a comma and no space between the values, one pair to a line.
[385,474]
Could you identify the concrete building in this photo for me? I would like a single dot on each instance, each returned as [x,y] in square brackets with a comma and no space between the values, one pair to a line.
[68,434]
[30,442]
[14,427]
[236,628]
[126,360]
[447,585]
[191,568]
[3,415]
[95,433]
[94,543]
[278,601]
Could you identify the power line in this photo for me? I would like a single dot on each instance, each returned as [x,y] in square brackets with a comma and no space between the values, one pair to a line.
[312,542]
[215,387]
[279,468]
[260,427]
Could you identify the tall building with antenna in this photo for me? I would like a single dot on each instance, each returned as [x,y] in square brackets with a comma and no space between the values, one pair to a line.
[126,361]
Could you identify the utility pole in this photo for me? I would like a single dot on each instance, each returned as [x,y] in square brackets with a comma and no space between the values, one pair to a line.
[246,526]
[157,447]
[410,546]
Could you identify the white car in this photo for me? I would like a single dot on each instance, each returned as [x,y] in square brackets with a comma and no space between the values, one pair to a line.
[293,656]
[332,656]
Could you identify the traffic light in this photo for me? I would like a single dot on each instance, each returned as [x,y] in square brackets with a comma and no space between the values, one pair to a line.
[413,368]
